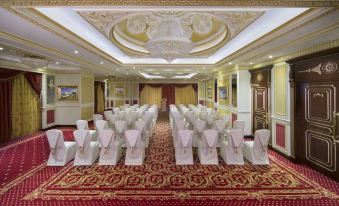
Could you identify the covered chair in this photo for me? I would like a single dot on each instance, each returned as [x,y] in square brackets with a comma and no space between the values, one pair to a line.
[178,125]
[199,127]
[183,148]
[220,125]
[97,117]
[207,150]
[231,150]
[239,124]
[116,110]
[111,120]
[140,125]
[135,152]
[203,115]
[122,115]
[83,125]
[256,151]
[107,113]
[110,152]
[61,152]
[120,128]
[101,125]
[87,152]
[210,121]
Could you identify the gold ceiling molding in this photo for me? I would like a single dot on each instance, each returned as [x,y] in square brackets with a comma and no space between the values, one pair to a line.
[279,31]
[299,40]
[314,49]
[233,3]
[114,25]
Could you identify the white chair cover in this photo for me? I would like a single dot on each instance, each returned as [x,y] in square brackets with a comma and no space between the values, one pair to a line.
[110,152]
[207,150]
[107,113]
[122,115]
[239,124]
[97,117]
[220,126]
[120,128]
[83,125]
[101,125]
[140,125]
[61,152]
[183,148]
[87,152]
[111,120]
[116,110]
[135,152]
[199,127]
[256,151]
[231,150]
[178,125]
[203,115]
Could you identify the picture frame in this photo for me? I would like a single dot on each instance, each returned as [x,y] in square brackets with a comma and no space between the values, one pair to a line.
[209,92]
[119,90]
[223,93]
[68,93]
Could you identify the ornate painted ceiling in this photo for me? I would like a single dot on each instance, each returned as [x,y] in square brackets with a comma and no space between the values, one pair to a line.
[130,31]
[111,40]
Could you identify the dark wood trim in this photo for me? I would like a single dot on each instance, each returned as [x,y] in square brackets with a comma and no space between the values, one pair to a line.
[269,67]
[314,55]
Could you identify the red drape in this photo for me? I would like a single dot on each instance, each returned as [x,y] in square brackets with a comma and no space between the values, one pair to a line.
[168,90]
[6,83]
[34,80]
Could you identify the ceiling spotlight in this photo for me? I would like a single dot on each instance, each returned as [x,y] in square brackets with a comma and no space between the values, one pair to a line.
[1,48]
[230,63]
[203,68]
[117,69]
[76,52]
[270,57]
[101,62]
[57,62]
[133,67]
[251,63]
[127,73]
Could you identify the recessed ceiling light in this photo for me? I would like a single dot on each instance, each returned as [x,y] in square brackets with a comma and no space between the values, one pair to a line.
[57,62]
[76,52]
[127,73]
[101,62]
[203,68]
[133,67]
[251,62]
[270,57]
[117,69]
[230,63]
[1,48]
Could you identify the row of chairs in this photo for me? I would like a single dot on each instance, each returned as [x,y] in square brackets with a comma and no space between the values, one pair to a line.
[108,138]
[233,148]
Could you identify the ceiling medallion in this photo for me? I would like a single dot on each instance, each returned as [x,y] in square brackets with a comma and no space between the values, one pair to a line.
[169,33]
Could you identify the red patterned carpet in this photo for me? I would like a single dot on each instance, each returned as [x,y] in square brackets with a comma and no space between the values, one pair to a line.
[26,180]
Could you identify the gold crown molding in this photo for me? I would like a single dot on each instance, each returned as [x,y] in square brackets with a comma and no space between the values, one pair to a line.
[299,40]
[233,3]
[66,35]
[317,48]
[51,50]
[272,35]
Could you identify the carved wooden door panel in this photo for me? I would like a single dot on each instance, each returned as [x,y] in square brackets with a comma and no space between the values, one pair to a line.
[260,108]
[317,132]
[260,81]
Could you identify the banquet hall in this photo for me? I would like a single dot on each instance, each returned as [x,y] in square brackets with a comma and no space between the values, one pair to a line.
[159,102]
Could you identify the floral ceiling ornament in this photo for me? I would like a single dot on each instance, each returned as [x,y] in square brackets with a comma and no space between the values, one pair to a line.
[169,33]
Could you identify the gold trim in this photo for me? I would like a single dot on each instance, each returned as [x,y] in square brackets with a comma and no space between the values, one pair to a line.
[231,3]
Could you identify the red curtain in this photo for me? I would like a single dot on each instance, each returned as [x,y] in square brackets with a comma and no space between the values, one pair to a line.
[6,82]
[168,92]
[34,80]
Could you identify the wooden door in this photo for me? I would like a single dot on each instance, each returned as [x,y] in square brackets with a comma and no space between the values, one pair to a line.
[260,81]
[316,115]
[317,125]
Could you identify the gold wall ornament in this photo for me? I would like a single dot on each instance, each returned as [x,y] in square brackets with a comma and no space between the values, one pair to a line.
[231,3]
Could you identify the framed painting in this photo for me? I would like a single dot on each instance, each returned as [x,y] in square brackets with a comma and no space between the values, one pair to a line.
[68,93]
[223,93]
